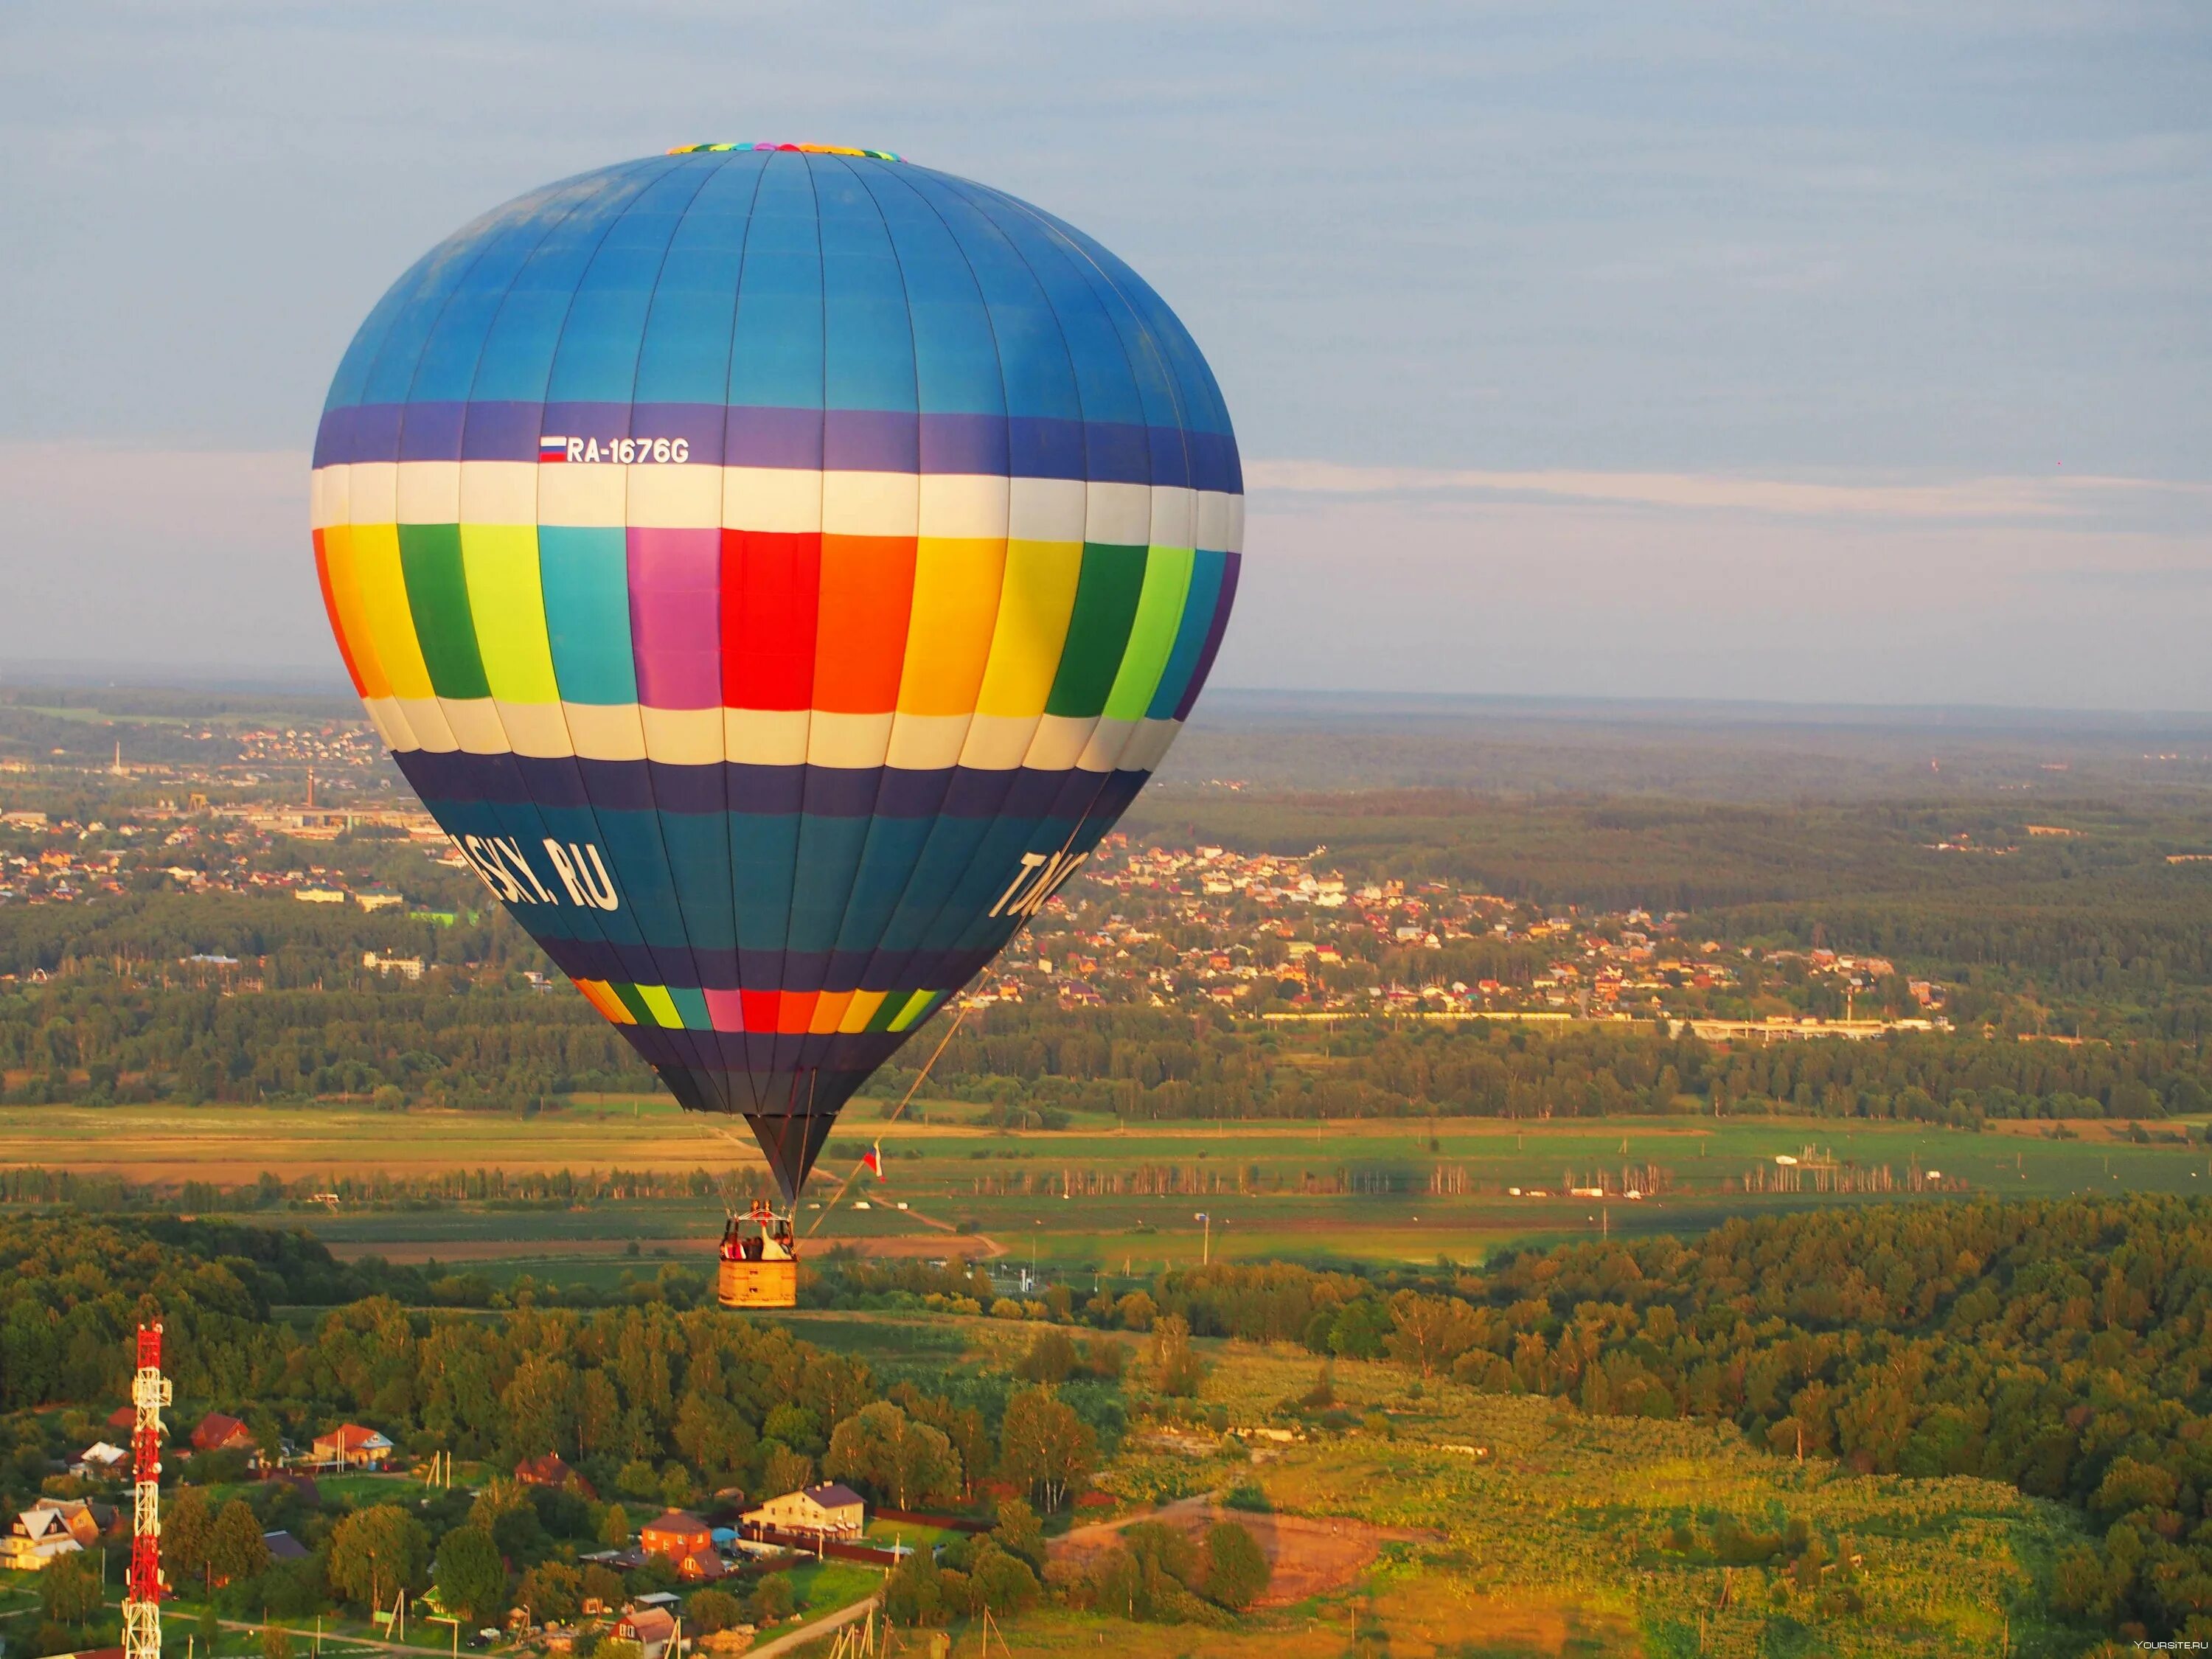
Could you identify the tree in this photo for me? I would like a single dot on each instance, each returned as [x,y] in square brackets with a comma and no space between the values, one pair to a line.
[552,1591]
[783,1469]
[1051,1358]
[1020,1534]
[911,1462]
[69,1589]
[913,1595]
[187,1523]
[1175,1366]
[1235,1570]
[275,1641]
[377,1551]
[1045,1447]
[236,1550]
[472,1579]
[772,1599]
[1000,1581]
[710,1610]
[614,1531]
[603,1585]
[1431,1331]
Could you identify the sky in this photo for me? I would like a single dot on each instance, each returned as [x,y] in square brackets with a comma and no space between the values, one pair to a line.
[1850,353]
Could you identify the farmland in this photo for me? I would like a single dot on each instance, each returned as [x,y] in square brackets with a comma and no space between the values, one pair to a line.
[1382,1191]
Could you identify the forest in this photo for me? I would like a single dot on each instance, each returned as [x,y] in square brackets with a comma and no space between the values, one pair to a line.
[2060,1347]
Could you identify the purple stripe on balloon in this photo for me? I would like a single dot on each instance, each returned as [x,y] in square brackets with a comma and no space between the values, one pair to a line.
[430,431]
[870,440]
[499,430]
[789,438]
[865,440]
[675,617]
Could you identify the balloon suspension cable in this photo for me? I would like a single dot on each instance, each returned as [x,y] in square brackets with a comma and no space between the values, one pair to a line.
[730,1211]
[921,1078]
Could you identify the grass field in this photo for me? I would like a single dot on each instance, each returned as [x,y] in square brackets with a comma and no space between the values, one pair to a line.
[952,1173]
[1559,1536]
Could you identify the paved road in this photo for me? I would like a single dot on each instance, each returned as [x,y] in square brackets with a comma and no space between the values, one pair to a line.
[815,1631]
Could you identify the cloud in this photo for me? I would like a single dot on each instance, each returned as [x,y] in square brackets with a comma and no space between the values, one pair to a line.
[2054,500]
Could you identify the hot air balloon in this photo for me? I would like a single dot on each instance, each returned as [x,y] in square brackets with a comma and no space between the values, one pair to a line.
[775,566]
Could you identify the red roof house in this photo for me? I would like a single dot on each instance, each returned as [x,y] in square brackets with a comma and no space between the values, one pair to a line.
[675,1534]
[350,1446]
[217,1432]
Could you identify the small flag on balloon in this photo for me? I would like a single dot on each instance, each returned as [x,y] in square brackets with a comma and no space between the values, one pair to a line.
[552,449]
[872,1160]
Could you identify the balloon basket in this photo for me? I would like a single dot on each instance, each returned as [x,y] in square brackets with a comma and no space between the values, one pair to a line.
[758,1285]
[759,1261]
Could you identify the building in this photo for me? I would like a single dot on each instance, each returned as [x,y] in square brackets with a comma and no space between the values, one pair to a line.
[319,894]
[652,1628]
[374,897]
[36,1541]
[550,1471]
[100,1462]
[217,1432]
[350,1446]
[674,1534]
[87,1522]
[826,1511]
[283,1546]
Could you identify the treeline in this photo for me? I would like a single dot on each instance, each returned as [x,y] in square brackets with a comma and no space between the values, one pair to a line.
[460,1041]
[282,941]
[563,1188]
[1152,1063]
[2062,1346]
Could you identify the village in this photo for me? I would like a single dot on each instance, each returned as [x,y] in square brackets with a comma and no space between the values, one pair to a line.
[1289,938]
[633,1589]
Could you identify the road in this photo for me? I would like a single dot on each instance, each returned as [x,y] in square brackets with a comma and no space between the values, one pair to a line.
[815,1631]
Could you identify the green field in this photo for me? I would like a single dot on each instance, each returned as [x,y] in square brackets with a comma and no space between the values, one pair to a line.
[953,1175]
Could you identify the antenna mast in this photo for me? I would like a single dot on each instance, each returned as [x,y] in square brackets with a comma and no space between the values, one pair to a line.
[141,1601]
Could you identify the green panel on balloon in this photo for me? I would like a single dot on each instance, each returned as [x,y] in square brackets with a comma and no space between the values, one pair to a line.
[438,594]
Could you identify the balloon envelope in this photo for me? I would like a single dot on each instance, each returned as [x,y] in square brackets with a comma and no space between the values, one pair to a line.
[776,567]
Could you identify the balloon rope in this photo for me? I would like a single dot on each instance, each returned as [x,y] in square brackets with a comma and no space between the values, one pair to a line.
[921,1078]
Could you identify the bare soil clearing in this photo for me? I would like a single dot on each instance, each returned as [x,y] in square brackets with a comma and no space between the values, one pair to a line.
[1310,1555]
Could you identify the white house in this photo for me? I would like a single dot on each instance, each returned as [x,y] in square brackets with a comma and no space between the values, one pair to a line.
[827,1512]
[36,1539]
[99,1460]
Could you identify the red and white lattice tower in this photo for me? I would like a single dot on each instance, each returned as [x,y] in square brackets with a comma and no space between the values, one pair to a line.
[141,1599]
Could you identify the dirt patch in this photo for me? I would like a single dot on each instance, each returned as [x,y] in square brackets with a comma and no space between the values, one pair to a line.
[1310,1555]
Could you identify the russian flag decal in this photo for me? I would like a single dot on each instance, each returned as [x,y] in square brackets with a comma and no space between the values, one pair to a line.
[552,449]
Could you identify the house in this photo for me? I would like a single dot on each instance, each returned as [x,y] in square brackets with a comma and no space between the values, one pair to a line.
[828,1512]
[36,1541]
[217,1432]
[674,1534]
[377,897]
[350,1446]
[701,1567]
[550,1471]
[652,1628]
[283,1546]
[125,1418]
[86,1521]
[100,1462]
[319,894]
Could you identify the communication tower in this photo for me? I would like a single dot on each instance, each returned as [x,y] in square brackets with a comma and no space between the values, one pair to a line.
[141,1599]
